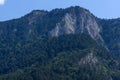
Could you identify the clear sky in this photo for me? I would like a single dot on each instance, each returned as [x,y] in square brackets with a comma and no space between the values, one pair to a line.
[10,9]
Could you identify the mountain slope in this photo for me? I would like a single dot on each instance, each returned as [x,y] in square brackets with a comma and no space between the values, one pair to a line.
[89,63]
[62,44]
[111,34]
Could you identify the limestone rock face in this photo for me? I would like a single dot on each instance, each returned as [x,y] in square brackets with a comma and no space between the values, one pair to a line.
[77,23]
[90,59]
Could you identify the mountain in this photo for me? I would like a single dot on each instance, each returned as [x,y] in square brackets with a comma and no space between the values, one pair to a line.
[111,34]
[73,20]
[62,44]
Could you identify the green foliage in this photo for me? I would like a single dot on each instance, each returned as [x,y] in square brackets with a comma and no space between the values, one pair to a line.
[56,58]
[111,34]
[28,53]
[17,55]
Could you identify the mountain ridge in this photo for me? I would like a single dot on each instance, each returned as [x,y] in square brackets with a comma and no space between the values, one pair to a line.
[64,44]
[72,20]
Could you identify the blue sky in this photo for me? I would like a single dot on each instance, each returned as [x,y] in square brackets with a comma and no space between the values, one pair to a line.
[16,8]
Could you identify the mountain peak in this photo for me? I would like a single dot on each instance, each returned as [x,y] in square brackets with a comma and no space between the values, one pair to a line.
[77,20]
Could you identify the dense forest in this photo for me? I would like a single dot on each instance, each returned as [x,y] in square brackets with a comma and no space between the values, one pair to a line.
[79,52]
[58,58]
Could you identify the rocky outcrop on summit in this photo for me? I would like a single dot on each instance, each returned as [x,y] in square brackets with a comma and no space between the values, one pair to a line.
[77,23]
